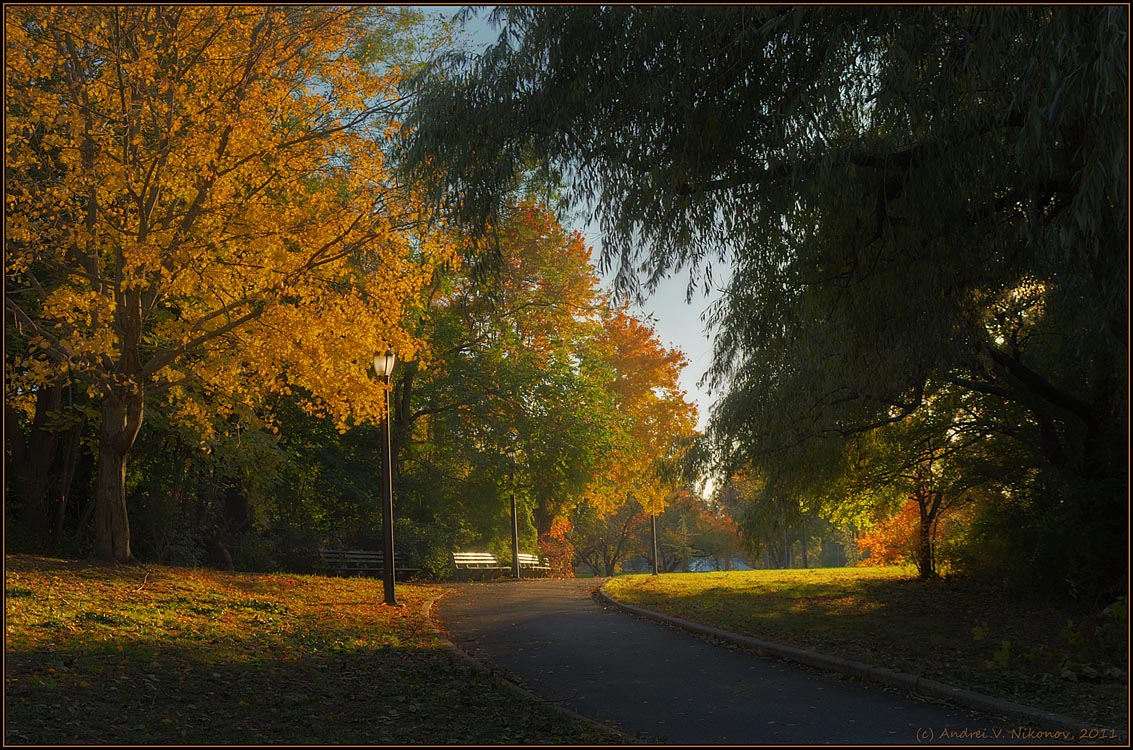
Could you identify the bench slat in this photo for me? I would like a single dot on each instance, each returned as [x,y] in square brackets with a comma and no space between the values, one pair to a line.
[488,561]
[533,561]
[358,559]
[476,561]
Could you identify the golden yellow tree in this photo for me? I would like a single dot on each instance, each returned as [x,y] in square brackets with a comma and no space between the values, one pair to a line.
[656,419]
[198,204]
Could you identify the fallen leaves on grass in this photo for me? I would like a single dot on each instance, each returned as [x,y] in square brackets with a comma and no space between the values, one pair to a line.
[161,655]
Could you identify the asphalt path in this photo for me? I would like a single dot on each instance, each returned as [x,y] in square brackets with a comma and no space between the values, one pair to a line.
[663,685]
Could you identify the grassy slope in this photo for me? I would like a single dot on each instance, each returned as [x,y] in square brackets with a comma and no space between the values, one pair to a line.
[982,639]
[159,655]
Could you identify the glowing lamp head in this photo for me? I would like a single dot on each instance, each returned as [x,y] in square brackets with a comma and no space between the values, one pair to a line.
[383,364]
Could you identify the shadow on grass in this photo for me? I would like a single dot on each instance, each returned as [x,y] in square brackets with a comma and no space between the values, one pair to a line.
[1014,645]
[149,695]
[126,655]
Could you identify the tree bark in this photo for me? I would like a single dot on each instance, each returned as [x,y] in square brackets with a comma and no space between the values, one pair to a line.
[121,420]
[69,460]
[401,414]
[31,460]
[926,562]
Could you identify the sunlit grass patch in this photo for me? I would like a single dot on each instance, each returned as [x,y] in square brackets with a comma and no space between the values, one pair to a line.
[1039,653]
[159,655]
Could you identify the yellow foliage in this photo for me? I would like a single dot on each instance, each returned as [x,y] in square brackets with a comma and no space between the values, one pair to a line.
[654,414]
[199,194]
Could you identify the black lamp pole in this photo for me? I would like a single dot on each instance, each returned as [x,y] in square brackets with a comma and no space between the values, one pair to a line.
[383,365]
[514,537]
[514,520]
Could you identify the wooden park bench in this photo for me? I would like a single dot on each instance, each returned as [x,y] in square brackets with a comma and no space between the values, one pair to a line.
[471,563]
[358,561]
[536,563]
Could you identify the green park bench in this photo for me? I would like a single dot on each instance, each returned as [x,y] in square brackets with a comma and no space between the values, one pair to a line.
[344,561]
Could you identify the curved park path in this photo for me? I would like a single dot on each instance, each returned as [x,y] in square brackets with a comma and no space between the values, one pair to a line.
[663,685]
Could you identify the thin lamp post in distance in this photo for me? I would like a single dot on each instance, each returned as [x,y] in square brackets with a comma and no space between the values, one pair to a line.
[511,453]
[383,367]
[653,524]
[653,539]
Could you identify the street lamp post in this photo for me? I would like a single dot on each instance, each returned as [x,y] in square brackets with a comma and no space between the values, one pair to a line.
[383,367]
[653,523]
[514,520]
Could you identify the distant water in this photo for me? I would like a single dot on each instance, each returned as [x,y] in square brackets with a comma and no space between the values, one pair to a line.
[697,565]
[711,565]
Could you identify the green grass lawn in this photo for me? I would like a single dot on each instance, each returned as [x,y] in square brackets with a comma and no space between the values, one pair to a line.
[1051,656]
[160,655]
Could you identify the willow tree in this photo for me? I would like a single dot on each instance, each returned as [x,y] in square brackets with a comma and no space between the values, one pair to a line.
[198,205]
[910,198]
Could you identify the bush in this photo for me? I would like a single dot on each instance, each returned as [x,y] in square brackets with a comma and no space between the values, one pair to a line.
[295,550]
[1061,538]
[254,554]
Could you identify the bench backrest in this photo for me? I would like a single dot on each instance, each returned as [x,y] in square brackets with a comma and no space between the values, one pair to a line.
[341,556]
[532,561]
[474,558]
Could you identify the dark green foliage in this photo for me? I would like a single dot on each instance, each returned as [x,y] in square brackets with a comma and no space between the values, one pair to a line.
[1051,528]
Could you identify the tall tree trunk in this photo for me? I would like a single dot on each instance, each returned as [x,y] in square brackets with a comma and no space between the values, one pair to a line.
[69,460]
[541,515]
[786,543]
[121,420]
[926,564]
[802,537]
[401,414]
[31,462]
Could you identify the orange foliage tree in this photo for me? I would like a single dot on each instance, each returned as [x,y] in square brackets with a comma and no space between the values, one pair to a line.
[198,207]
[893,541]
[915,461]
[652,425]
[556,546]
[905,538]
[655,420]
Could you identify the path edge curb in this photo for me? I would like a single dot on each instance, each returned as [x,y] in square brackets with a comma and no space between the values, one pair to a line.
[506,681]
[869,673]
